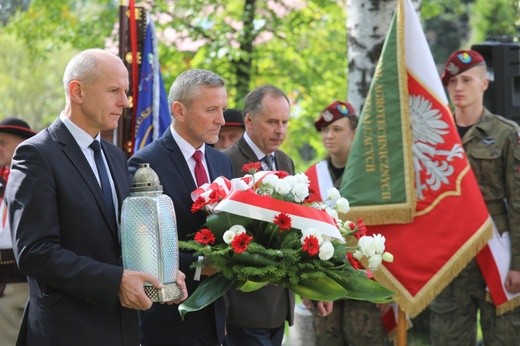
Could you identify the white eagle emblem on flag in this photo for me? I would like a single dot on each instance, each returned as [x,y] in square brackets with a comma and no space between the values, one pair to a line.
[428,129]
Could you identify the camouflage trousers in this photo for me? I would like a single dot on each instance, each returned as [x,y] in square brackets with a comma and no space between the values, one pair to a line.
[353,323]
[453,314]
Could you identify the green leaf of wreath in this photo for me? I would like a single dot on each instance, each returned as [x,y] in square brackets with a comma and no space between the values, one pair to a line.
[323,289]
[208,291]
[250,286]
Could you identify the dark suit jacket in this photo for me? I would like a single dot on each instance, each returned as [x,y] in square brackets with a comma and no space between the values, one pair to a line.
[162,323]
[66,244]
[271,305]
[241,153]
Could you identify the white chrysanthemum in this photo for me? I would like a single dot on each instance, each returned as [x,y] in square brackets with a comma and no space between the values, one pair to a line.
[326,251]
[237,229]
[271,179]
[302,178]
[374,262]
[333,194]
[232,232]
[342,205]
[290,180]
[228,236]
[366,246]
[332,212]
[311,231]
[372,245]
[282,187]
[300,192]
[379,243]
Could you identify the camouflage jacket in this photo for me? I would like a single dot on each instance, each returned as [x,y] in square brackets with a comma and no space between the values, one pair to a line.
[493,149]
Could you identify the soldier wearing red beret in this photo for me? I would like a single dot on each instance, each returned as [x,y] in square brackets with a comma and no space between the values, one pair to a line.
[492,145]
[351,322]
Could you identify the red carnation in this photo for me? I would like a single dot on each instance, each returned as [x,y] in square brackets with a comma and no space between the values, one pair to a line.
[311,245]
[240,242]
[215,196]
[205,237]
[283,221]
[354,261]
[361,229]
[281,174]
[199,203]
[251,167]
[351,225]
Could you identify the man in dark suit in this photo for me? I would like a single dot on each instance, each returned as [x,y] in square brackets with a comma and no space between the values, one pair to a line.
[258,318]
[64,229]
[197,101]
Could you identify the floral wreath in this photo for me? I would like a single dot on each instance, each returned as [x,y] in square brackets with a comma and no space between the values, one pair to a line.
[262,230]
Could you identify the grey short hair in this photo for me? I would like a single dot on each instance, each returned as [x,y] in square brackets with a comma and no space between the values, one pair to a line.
[253,100]
[186,86]
[82,67]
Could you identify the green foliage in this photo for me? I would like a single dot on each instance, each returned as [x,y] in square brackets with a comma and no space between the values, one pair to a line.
[209,290]
[455,24]
[31,86]
[495,19]
[302,51]
[48,25]
[446,26]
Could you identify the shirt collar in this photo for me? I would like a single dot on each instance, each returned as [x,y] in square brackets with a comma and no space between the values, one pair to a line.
[259,154]
[81,136]
[186,148]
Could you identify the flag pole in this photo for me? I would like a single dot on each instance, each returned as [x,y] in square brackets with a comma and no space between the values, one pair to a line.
[131,35]
[400,339]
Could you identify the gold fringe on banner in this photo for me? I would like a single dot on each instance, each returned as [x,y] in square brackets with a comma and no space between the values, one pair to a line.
[509,305]
[382,214]
[413,305]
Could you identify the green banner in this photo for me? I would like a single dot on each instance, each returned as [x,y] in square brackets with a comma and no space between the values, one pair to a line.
[376,176]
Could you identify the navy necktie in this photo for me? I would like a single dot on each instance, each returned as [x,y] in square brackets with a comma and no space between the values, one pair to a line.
[103,178]
[200,171]
[269,162]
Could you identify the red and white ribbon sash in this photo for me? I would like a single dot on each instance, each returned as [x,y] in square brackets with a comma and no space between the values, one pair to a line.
[320,180]
[264,208]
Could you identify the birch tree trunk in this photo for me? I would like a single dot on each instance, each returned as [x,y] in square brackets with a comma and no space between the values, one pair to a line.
[367,24]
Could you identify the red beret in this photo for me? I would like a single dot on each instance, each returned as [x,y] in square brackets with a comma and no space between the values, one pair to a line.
[459,62]
[336,110]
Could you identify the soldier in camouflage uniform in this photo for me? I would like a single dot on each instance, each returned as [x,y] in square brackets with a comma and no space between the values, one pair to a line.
[351,322]
[492,145]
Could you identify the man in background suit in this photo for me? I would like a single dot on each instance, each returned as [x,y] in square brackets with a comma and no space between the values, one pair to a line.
[197,101]
[64,229]
[258,318]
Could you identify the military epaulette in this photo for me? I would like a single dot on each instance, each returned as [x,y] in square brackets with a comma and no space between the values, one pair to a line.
[508,121]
